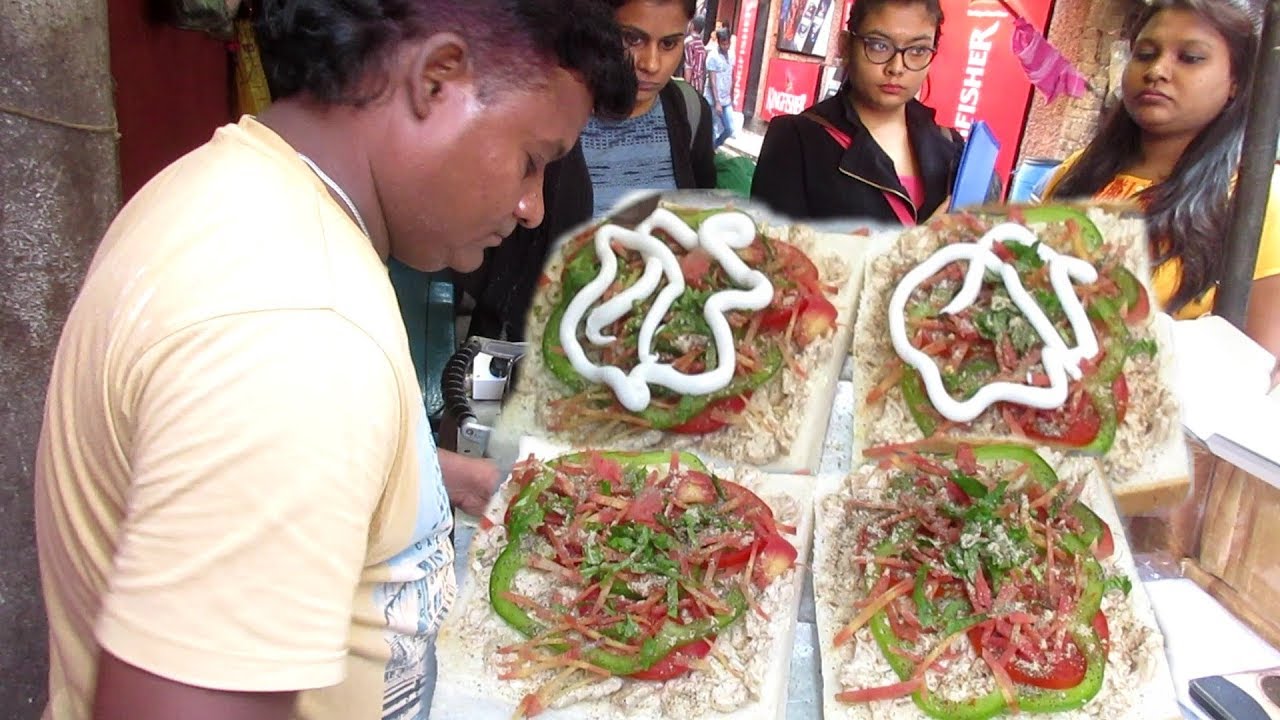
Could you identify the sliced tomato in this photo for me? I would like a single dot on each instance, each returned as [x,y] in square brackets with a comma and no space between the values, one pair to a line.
[752,509]
[696,488]
[696,266]
[676,663]
[818,317]
[956,494]
[1106,542]
[645,508]
[1140,309]
[710,419]
[733,559]
[1120,389]
[1100,624]
[1080,424]
[785,304]
[1002,252]
[1064,673]
[791,263]
[776,557]
[605,468]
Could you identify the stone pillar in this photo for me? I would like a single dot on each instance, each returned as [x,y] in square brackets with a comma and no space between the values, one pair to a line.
[1084,30]
[59,188]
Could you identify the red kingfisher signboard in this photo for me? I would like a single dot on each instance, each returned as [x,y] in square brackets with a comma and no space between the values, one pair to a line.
[976,76]
[748,12]
[789,88]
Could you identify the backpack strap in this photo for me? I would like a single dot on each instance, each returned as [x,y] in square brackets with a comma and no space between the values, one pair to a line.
[692,107]
[841,137]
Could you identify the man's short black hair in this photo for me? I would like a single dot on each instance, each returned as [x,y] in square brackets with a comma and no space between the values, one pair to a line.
[722,35]
[689,6]
[328,48]
[699,24]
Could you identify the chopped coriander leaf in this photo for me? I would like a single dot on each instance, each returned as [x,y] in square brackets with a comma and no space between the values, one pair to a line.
[962,562]
[969,484]
[636,477]
[1117,582]
[992,324]
[965,381]
[1049,302]
[919,311]
[1026,258]
[628,628]
[592,554]
[1142,348]
[1022,334]
[962,623]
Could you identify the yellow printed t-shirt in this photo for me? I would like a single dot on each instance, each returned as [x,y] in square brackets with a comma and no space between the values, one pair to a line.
[236,487]
[1167,276]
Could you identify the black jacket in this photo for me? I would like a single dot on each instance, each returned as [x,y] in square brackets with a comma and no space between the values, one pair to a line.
[503,286]
[804,174]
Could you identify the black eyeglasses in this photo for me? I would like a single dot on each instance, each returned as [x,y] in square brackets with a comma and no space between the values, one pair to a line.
[881,52]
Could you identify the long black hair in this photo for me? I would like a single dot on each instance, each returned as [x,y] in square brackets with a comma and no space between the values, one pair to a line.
[1187,212]
[333,50]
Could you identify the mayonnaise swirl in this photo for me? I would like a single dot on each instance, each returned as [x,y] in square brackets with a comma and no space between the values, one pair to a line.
[719,235]
[1059,360]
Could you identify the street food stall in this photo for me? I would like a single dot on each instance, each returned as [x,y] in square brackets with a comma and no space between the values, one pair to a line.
[1202,634]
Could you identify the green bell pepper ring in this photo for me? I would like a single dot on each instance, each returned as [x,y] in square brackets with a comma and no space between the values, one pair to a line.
[691,405]
[917,399]
[1030,699]
[1098,385]
[1046,478]
[1049,214]
[527,515]
[579,271]
[694,217]
[1040,470]
[660,418]
[1130,288]
[1039,700]
[554,356]
[981,708]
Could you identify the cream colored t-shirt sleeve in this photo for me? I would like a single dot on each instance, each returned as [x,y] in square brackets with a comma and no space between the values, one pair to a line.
[263,442]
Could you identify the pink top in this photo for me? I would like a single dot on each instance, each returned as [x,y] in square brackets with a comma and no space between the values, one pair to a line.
[915,190]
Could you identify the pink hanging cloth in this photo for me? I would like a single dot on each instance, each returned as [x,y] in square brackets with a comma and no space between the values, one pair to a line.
[1047,69]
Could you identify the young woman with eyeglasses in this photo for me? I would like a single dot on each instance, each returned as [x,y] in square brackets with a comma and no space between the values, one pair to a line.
[872,151]
[1173,145]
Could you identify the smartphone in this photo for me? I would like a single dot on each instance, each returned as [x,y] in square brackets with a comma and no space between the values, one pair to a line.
[1239,696]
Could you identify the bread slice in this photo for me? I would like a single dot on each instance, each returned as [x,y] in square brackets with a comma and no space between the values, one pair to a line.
[1148,465]
[753,685]
[1137,683]
[785,421]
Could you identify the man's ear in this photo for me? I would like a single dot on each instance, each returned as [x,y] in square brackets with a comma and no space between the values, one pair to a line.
[435,64]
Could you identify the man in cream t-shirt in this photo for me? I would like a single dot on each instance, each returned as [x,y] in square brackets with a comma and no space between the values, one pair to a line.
[240,511]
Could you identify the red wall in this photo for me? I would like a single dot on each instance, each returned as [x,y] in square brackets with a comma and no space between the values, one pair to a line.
[173,88]
[976,76]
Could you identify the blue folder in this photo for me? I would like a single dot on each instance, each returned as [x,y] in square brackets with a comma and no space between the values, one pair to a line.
[977,168]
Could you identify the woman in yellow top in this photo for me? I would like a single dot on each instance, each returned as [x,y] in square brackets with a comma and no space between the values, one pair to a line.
[1174,146]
